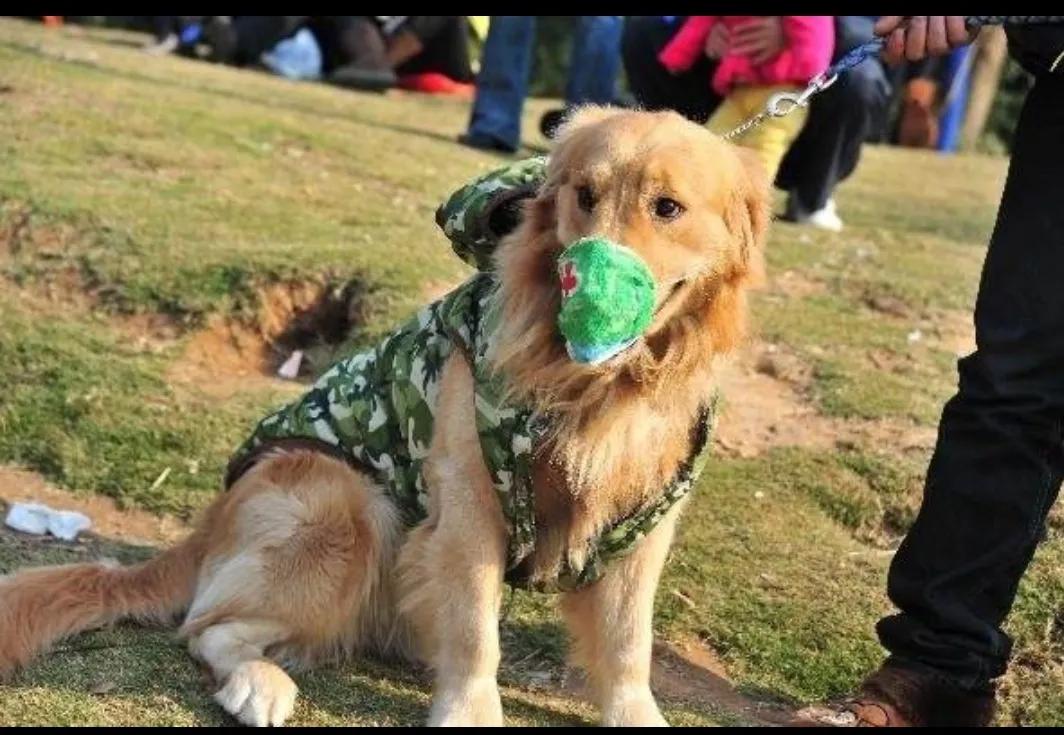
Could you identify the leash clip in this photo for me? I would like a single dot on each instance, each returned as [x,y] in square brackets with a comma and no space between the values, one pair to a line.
[784,103]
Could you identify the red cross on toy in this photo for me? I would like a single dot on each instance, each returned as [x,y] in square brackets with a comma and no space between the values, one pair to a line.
[569,280]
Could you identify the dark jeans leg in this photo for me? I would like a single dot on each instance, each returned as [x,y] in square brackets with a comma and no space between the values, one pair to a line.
[999,460]
[829,146]
[653,87]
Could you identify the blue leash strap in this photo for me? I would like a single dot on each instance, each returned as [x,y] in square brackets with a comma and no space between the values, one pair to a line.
[785,102]
[855,56]
[875,46]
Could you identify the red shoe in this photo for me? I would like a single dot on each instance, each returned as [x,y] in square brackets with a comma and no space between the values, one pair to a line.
[432,82]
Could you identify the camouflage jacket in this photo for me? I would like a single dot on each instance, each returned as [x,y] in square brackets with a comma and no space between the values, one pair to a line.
[376,409]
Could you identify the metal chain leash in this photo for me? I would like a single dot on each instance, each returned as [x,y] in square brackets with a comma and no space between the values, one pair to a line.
[784,103]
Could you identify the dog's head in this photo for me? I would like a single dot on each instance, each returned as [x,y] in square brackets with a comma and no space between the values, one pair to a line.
[694,207]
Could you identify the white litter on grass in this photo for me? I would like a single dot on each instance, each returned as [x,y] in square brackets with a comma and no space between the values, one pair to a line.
[290,369]
[40,519]
[915,336]
[160,479]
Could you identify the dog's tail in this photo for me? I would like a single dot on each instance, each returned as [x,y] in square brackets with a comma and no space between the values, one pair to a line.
[38,607]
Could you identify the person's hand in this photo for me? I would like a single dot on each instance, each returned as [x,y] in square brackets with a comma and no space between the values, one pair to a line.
[919,36]
[760,39]
[717,42]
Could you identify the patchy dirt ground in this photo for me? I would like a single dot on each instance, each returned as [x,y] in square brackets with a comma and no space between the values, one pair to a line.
[108,519]
[691,672]
[767,405]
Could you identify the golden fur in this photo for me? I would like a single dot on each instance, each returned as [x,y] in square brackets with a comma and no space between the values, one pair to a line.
[305,559]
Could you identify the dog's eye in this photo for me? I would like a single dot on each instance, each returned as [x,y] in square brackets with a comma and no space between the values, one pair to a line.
[667,208]
[585,198]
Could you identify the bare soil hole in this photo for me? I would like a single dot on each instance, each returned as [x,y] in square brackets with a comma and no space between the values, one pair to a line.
[289,315]
[231,355]
[299,316]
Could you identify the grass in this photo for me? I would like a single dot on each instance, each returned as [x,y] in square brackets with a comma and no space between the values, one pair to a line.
[178,190]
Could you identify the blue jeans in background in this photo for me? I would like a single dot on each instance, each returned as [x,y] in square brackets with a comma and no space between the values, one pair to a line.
[506,64]
[595,60]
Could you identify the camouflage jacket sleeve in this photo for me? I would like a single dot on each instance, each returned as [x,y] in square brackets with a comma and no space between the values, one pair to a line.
[479,214]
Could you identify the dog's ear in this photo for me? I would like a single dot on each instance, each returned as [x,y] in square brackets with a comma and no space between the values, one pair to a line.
[749,212]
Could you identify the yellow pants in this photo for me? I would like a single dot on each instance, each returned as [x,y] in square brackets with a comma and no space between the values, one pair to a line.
[771,139]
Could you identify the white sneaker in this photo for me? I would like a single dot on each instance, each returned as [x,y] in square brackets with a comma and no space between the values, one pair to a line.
[166,46]
[826,218]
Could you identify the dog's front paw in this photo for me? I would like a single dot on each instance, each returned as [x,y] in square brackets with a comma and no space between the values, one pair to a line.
[258,693]
[474,703]
[632,708]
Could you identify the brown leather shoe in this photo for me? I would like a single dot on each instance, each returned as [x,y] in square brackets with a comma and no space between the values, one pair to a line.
[898,695]
[872,713]
[861,712]
[904,695]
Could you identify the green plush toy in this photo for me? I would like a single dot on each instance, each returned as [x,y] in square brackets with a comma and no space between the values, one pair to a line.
[608,296]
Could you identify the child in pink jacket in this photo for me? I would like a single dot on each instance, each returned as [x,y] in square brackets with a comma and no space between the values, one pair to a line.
[746,86]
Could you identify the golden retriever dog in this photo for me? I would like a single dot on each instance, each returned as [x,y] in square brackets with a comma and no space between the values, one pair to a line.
[305,558]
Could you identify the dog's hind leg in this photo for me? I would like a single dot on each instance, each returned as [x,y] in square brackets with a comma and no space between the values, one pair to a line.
[257,691]
[293,576]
